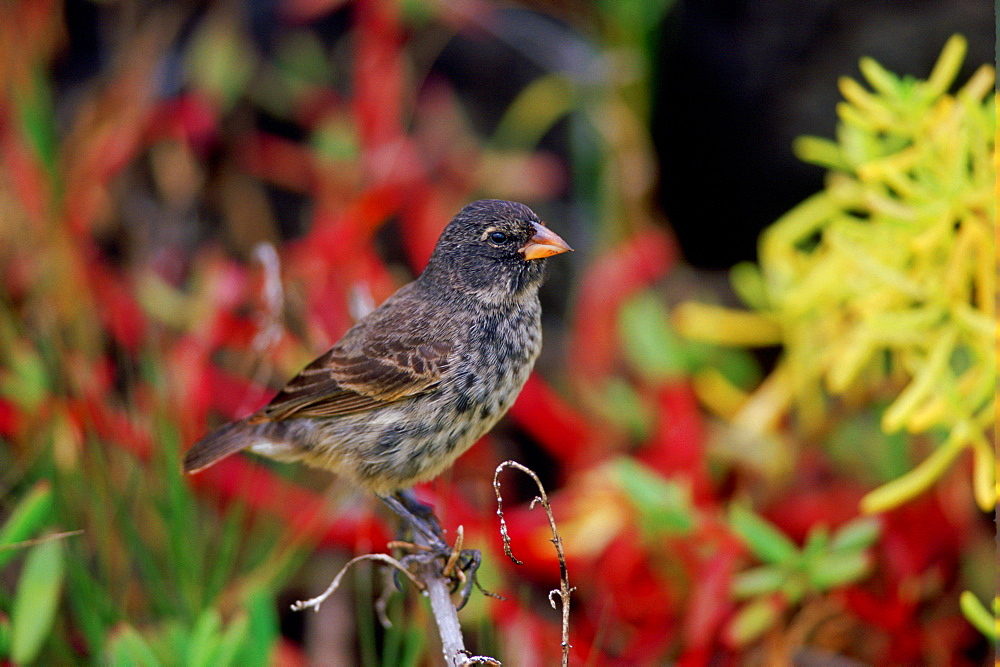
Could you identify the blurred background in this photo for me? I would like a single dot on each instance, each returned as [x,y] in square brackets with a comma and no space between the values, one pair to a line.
[197,198]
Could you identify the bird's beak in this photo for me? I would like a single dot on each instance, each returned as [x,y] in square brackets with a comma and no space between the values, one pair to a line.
[544,243]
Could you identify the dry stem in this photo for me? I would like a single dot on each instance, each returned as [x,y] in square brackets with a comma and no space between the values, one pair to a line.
[565,590]
[429,576]
[384,558]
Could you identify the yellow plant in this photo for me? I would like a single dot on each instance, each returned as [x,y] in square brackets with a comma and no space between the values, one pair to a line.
[884,281]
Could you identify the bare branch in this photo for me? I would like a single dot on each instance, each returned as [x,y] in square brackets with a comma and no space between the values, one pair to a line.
[384,558]
[434,572]
[439,595]
[565,590]
[38,540]
[438,579]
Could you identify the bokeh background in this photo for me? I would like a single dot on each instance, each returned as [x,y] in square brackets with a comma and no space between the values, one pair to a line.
[197,198]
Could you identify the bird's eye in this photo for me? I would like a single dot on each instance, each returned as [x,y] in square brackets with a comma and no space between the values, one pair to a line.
[498,237]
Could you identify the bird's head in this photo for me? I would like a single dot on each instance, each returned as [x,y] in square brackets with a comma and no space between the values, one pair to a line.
[494,250]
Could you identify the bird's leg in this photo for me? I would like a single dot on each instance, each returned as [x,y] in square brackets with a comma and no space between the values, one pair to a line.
[420,517]
[422,511]
[461,563]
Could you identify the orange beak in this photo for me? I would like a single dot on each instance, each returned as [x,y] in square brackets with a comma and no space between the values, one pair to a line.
[544,243]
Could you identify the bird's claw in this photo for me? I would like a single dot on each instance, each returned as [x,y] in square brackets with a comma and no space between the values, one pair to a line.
[459,566]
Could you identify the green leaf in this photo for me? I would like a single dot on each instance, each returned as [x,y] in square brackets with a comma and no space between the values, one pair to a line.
[25,380]
[880,78]
[36,114]
[336,140]
[263,630]
[204,641]
[663,505]
[736,365]
[414,646]
[535,110]
[128,647]
[837,569]
[32,513]
[4,636]
[302,58]
[816,542]
[232,640]
[765,541]
[635,17]
[221,567]
[649,340]
[859,445]
[749,285]
[794,588]
[758,581]
[36,600]
[858,534]
[623,405]
[821,152]
[221,60]
[753,620]
[975,612]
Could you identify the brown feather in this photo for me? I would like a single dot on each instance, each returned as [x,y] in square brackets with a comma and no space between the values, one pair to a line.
[217,445]
[338,384]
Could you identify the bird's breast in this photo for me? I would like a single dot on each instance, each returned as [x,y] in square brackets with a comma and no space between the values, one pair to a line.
[413,440]
[501,351]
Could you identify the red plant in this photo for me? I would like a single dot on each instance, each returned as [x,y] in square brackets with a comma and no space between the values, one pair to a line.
[105,331]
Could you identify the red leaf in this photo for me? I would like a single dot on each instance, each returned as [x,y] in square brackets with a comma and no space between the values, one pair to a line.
[189,117]
[31,184]
[232,395]
[10,418]
[563,432]
[708,604]
[677,446]
[615,276]
[279,161]
[378,73]
[305,513]
[119,310]
[113,425]
[423,219]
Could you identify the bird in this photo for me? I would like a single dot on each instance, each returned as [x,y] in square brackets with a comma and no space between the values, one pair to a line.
[418,380]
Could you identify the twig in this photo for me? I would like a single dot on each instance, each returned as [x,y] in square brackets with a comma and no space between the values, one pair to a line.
[319,599]
[38,540]
[427,571]
[565,590]
[382,602]
[437,579]
[438,592]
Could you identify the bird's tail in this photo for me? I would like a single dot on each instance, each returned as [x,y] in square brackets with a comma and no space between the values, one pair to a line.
[219,444]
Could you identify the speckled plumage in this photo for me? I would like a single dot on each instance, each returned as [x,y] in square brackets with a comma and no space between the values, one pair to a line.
[416,382]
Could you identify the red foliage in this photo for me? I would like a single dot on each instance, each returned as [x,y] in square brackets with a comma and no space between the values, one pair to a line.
[611,280]
[556,426]
[11,418]
[29,181]
[677,446]
[640,599]
[304,512]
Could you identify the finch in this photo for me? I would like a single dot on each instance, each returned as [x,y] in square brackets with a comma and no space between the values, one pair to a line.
[417,381]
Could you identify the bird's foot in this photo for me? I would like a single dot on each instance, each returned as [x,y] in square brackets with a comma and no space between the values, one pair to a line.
[456,564]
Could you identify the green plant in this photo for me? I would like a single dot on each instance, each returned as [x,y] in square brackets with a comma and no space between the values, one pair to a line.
[789,574]
[984,621]
[884,282]
[167,578]
[27,617]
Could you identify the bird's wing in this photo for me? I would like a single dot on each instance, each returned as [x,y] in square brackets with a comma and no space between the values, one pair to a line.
[359,378]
